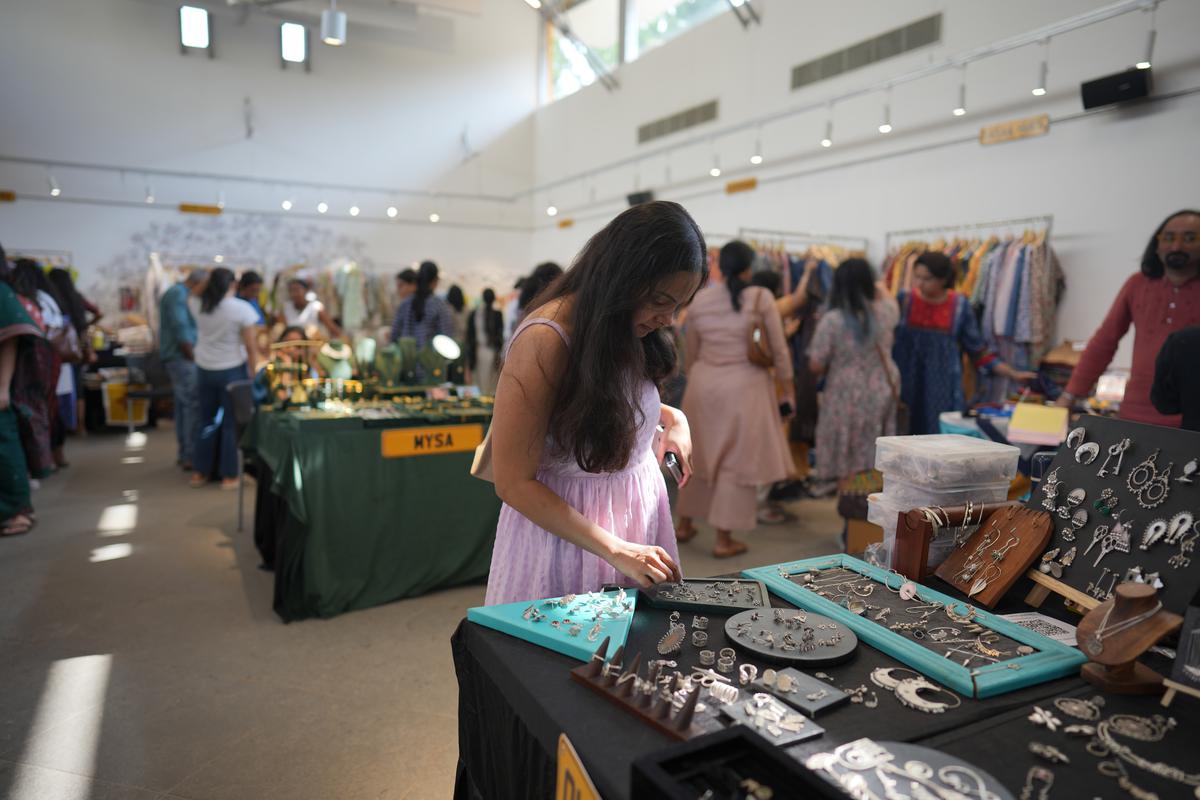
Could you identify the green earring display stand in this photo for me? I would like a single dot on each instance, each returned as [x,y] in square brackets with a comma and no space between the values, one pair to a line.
[511,619]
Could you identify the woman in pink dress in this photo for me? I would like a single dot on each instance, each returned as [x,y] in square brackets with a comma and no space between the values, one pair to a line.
[740,444]
[575,447]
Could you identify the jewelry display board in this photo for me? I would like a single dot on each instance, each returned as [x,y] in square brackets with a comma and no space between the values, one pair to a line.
[1125,499]
[986,565]
[920,644]
[866,768]
[792,636]
[571,625]
[708,594]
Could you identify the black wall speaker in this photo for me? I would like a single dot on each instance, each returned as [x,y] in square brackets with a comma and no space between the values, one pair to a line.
[1119,88]
[637,198]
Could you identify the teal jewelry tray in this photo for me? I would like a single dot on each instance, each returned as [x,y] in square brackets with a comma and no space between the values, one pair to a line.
[551,632]
[1050,660]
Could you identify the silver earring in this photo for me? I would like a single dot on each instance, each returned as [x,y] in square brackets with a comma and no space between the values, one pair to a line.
[1087,453]
[1189,469]
[1075,437]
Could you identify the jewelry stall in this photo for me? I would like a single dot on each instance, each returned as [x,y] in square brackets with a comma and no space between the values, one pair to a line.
[918,680]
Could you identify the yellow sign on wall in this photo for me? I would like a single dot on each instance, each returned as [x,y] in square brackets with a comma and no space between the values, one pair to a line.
[744,185]
[405,442]
[573,781]
[1015,129]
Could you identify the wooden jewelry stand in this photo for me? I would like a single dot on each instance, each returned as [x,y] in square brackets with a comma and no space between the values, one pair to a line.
[914,531]
[1173,688]
[1116,668]
[1031,531]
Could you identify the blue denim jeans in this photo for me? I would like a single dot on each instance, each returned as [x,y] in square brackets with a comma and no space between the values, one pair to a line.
[184,386]
[218,434]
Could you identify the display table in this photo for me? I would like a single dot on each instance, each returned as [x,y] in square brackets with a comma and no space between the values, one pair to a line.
[516,698]
[345,528]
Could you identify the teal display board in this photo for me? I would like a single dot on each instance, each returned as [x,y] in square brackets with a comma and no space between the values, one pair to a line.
[573,625]
[1052,659]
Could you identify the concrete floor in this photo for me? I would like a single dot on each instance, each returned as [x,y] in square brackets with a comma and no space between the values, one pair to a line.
[140,658]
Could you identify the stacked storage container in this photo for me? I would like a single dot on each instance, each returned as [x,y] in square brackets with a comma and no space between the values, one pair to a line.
[937,470]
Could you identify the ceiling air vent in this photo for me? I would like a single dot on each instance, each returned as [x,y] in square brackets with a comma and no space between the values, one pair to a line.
[682,120]
[921,33]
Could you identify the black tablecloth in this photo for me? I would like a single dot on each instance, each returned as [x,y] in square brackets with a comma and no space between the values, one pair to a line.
[515,698]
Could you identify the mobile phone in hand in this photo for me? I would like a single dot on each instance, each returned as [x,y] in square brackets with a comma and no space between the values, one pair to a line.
[671,462]
[785,409]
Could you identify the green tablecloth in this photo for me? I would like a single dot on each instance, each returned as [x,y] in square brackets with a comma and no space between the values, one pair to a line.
[359,530]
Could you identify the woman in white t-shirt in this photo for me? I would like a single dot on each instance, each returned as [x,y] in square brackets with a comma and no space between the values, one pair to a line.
[303,310]
[226,350]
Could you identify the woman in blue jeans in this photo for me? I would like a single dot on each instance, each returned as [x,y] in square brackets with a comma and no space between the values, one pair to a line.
[225,351]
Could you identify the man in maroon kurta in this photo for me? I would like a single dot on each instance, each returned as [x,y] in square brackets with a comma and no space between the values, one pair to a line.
[1161,299]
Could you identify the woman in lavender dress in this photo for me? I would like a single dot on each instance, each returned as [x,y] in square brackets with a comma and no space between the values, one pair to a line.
[576,451]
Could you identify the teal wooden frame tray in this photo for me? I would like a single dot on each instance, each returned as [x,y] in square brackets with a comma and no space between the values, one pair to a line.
[1052,659]
[509,618]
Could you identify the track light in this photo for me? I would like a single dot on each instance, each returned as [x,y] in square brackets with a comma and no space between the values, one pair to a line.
[551,211]
[535,5]
[828,140]
[886,125]
[333,25]
[757,158]
[1151,35]
[354,211]
[149,194]
[961,108]
[322,207]
[392,212]
[434,217]
[220,259]
[1039,89]
[54,190]
[221,200]
[716,167]
[286,205]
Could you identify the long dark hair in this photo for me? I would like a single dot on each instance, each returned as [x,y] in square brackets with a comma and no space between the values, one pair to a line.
[454,296]
[1152,265]
[539,281]
[596,411]
[219,281]
[852,294]
[426,275]
[72,302]
[489,297]
[28,277]
[736,258]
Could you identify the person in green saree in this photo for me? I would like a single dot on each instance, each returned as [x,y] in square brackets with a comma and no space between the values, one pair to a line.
[16,330]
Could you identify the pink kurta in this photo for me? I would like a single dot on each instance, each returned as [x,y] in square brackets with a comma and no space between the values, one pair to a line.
[731,406]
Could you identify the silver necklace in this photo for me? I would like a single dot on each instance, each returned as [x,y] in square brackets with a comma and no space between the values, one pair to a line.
[1095,642]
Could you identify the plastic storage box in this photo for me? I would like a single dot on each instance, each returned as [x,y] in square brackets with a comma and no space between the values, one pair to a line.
[913,495]
[946,461]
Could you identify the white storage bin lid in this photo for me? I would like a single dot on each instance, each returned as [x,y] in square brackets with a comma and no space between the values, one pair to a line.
[946,460]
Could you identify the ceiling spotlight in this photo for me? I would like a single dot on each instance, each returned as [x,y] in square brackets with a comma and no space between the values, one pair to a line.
[149,194]
[333,25]
[886,125]
[757,158]
[354,211]
[434,217]
[534,4]
[286,205]
[716,167]
[392,212]
[828,140]
[322,207]
[220,259]
[1151,35]
[1039,88]
[551,211]
[221,200]
[54,190]
[961,108]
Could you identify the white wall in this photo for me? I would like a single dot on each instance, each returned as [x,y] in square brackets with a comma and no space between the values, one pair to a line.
[1108,178]
[104,81]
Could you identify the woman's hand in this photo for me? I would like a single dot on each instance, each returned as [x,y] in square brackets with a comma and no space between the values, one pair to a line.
[791,327]
[676,438]
[647,564]
[1018,375]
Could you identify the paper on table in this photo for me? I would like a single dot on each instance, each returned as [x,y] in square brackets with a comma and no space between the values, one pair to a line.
[1049,627]
[1037,424]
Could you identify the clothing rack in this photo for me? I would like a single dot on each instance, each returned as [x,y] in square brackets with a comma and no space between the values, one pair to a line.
[804,237]
[49,258]
[1046,221]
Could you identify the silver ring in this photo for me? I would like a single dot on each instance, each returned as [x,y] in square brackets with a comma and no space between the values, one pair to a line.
[699,638]
[708,658]
[725,665]
[700,623]
[728,652]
